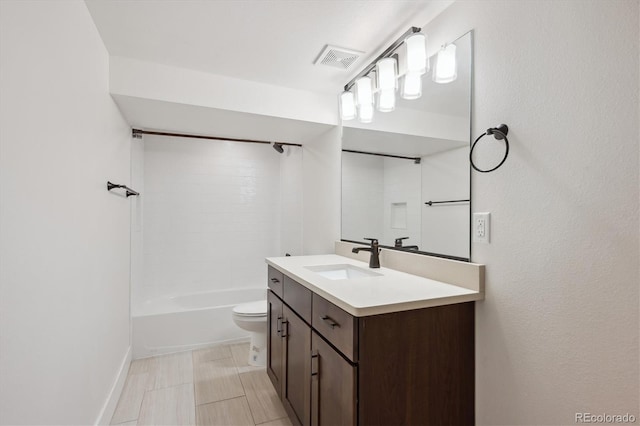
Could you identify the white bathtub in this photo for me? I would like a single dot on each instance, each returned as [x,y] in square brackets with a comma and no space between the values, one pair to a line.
[184,322]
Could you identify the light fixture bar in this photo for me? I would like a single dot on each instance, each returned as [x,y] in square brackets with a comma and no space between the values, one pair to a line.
[384,54]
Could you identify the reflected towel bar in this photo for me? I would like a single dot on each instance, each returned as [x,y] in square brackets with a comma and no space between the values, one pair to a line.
[430,203]
[130,191]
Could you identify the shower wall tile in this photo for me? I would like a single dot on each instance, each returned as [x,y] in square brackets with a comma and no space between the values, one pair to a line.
[213,211]
[402,184]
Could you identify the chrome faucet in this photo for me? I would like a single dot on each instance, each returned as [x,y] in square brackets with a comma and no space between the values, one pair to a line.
[374,260]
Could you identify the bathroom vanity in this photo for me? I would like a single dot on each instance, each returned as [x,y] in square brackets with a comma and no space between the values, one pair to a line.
[351,345]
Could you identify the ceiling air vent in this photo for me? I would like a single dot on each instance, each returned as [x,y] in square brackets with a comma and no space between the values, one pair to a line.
[338,57]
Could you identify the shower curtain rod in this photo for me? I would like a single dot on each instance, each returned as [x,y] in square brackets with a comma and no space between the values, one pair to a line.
[415,159]
[137,133]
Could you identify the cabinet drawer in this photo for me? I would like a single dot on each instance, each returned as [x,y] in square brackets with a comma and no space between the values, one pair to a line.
[298,298]
[275,280]
[337,326]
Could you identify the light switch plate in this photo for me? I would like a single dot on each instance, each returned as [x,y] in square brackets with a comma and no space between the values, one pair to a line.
[481,227]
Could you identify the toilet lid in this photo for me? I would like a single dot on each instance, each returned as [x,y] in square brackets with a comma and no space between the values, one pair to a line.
[251,309]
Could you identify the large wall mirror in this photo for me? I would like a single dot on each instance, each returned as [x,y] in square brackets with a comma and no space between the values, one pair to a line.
[406,175]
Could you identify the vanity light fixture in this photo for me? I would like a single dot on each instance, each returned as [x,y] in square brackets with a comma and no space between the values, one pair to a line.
[387,100]
[446,68]
[364,98]
[385,67]
[364,91]
[412,85]
[416,53]
[365,113]
[347,106]
[387,79]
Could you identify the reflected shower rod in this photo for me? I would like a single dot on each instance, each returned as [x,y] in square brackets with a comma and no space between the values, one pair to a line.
[430,203]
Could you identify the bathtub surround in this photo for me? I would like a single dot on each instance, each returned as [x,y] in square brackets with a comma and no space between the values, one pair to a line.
[178,323]
[64,245]
[213,211]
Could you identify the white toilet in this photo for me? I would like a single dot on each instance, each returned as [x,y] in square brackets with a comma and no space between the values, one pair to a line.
[252,317]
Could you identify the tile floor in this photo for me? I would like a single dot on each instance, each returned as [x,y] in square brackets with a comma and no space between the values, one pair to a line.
[212,386]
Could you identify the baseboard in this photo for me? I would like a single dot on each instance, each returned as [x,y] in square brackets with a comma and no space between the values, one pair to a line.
[109,407]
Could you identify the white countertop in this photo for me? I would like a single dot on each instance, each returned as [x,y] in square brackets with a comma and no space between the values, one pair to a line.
[393,291]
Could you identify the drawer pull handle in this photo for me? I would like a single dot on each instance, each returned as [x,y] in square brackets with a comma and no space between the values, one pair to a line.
[330,321]
[285,329]
[275,280]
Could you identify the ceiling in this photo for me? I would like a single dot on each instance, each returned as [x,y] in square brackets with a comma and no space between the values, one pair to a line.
[147,114]
[395,143]
[269,41]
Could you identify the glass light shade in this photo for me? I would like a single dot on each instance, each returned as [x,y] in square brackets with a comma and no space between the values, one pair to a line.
[365,113]
[387,73]
[446,69]
[347,106]
[387,100]
[364,91]
[412,87]
[416,53]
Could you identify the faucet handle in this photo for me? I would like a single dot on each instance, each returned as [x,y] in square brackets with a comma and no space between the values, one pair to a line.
[373,240]
[398,242]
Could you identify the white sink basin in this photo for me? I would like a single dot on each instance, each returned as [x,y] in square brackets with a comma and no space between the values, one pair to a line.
[342,272]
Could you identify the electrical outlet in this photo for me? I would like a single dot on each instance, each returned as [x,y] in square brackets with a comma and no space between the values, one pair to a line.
[481,227]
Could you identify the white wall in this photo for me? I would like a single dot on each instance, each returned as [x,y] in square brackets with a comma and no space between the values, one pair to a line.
[64,245]
[408,121]
[445,227]
[558,331]
[214,210]
[148,80]
[137,223]
[362,196]
[321,197]
[291,201]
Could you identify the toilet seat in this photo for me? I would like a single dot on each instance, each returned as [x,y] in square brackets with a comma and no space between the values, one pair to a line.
[251,309]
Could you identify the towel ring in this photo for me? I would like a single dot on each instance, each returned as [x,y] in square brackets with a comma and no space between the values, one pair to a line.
[499,133]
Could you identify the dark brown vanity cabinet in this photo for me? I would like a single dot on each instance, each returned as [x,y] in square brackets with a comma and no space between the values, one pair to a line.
[330,368]
[296,392]
[274,341]
[289,345]
[333,386]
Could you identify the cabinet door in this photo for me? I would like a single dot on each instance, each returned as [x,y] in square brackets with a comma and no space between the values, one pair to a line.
[274,342]
[297,388]
[333,386]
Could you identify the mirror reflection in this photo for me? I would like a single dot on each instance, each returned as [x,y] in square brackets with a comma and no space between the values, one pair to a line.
[406,175]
